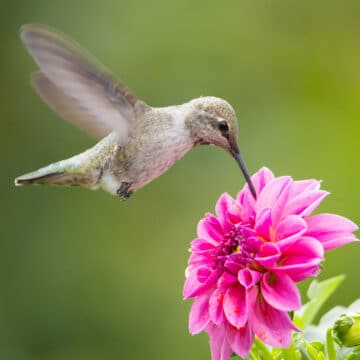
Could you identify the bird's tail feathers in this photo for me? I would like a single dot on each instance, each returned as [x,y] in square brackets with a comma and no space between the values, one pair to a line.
[84,169]
[61,173]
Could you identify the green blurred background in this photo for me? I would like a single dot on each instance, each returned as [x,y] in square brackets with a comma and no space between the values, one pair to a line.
[86,276]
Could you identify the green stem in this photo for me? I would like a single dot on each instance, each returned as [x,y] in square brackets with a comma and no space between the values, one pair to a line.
[290,352]
[265,352]
[330,346]
[252,357]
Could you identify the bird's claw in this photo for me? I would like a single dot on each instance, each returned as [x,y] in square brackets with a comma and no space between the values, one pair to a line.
[123,190]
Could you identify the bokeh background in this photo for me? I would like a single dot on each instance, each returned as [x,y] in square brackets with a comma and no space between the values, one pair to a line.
[86,276]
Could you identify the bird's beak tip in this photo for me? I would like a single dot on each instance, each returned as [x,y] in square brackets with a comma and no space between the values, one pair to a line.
[236,155]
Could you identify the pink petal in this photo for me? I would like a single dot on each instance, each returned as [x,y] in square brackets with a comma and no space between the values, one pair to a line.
[302,259]
[263,224]
[261,178]
[280,204]
[235,306]
[272,191]
[240,340]
[301,186]
[227,210]
[269,255]
[305,203]
[232,265]
[199,314]
[247,204]
[226,280]
[270,325]
[199,279]
[324,223]
[245,198]
[248,278]
[197,258]
[210,229]
[202,246]
[300,272]
[280,292]
[289,230]
[275,196]
[305,248]
[339,239]
[219,345]
[331,230]
[216,307]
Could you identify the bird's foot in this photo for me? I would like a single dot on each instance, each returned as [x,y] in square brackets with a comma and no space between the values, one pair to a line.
[123,190]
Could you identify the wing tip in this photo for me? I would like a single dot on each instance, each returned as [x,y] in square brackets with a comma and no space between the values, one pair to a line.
[30,31]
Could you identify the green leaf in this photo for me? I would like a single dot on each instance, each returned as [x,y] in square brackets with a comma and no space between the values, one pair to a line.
[277,354]
[318,345]
[262,349]
[291,353]
[311,351]
[330,346]
[317,293]
[354,355]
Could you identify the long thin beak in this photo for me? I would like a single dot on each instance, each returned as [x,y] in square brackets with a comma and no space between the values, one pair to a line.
[236,155]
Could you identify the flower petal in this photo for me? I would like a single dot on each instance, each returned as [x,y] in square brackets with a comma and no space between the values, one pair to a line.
[199,314]
[272,191]
[324,223]
[227,210]
[202,246]
[305,203]
[261,178]
[302,259]
[263,224]
[300,186]
[226,280]
[331,230]
[246,199]
[197,258]
[270,325]
[216,306]
[289,230]
[199,279]
[210,229]
[232,265]
[235,306]
[219,345]
[339,239]
[275,197]
[298,272]
[306,248]
[280,292]
[269,255]
[248,278]
[240,340]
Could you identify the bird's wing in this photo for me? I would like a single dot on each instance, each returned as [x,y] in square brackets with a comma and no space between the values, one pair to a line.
[73,84]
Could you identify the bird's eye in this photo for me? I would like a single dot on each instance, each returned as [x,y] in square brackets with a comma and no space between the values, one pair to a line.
[224,128]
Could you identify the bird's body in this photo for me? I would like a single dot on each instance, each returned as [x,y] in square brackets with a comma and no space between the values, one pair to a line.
[152,150]
[139,142]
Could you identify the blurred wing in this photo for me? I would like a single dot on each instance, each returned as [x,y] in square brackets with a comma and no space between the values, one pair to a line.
[78,88]
[69,109]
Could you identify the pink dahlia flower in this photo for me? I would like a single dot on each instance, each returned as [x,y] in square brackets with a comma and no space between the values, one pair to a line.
[246,261]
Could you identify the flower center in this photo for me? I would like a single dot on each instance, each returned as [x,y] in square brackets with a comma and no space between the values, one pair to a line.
[239,248]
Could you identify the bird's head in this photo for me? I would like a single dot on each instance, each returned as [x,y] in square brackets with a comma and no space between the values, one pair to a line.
[212,121]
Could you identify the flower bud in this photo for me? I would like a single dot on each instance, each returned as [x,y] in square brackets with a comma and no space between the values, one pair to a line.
[346,330]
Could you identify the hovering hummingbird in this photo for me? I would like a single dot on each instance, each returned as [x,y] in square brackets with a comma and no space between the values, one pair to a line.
[139,142]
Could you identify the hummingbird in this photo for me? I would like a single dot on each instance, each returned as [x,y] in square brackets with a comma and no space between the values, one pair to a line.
[137,142]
